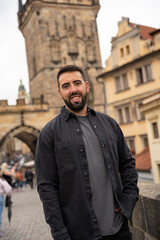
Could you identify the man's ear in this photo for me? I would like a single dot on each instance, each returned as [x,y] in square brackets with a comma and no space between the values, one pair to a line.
[87,86]
[59,93]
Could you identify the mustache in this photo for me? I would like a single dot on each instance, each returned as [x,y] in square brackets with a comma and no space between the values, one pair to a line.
[75,93]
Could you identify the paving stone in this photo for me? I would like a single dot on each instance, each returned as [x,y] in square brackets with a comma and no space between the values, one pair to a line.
[27,222]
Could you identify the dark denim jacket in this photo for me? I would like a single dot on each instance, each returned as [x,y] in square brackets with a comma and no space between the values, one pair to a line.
[63,177]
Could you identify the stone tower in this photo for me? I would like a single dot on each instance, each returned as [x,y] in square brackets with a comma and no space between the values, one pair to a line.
[58,33]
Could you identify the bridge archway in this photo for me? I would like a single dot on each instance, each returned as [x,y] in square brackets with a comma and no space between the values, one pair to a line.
[27,134]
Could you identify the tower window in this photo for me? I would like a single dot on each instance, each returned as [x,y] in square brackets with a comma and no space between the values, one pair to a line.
[38,13]
[34,66]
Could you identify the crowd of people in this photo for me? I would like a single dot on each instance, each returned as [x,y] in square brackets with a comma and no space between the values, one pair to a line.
[12,179]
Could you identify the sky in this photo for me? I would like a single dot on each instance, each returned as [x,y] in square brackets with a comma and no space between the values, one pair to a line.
[13,63]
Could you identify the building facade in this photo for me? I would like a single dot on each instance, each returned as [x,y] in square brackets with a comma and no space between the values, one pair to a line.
[151,110]
[131,74]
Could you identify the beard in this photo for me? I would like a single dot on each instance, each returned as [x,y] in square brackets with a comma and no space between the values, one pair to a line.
[77,106]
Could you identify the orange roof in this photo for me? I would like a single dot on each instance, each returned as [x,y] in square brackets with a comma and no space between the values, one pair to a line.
[143,160]
[144,31]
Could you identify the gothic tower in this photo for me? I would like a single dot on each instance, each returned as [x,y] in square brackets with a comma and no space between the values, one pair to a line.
[58,33]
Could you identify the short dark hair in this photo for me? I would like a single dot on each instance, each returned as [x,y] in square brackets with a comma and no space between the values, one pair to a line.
[69,68]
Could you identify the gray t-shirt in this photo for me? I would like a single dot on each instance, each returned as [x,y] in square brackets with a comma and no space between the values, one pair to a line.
[103,201]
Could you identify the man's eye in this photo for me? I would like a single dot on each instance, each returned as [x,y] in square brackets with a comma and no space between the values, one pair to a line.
[65,87]
[78,83]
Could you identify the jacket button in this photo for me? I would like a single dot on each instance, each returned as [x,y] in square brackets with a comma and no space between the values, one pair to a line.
[95,126]
[78,130]
[109,166]
[94,220]
[103,145]
[89,195]
[81,150]
[85,173]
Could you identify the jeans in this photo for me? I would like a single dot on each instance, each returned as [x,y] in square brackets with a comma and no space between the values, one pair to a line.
[1,207]
[122,234]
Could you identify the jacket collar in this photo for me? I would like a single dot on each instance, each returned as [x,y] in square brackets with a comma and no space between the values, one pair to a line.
[67,114]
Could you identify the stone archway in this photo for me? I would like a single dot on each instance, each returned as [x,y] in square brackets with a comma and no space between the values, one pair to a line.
[26,134]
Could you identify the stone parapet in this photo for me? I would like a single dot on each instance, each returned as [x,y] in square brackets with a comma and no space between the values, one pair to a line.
[146,216]
[37,105]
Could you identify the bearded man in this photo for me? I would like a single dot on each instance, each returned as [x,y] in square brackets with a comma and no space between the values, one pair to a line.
[86,175]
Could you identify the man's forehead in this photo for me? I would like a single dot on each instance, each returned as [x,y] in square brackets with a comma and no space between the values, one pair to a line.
[70,76]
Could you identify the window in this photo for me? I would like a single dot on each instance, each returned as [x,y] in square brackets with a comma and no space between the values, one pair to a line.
[123,114]
[148,72]
[127,49]
[139,76]
[127,113]
[139,114]
[121,82]
[118,84]
[144,139]
[120,115]
[155,130]
[121,52]
[144,74]
[34,66]
[125,81]
[131,144]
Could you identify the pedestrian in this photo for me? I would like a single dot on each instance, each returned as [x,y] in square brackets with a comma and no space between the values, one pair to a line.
[5,188]
[19,179]
[86,175]
[29,177]
[8,175]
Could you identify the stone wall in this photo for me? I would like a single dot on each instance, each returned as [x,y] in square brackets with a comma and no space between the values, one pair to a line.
[146,216]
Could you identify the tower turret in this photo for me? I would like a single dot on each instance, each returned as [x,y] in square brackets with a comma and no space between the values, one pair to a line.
[20,5]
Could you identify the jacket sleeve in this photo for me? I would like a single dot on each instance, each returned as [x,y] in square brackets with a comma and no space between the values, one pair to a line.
[47,184]
[128,175]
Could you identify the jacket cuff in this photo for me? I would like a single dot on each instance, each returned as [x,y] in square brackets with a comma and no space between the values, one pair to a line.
[63,235]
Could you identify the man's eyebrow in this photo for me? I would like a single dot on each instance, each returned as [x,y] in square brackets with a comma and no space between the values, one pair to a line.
[75,81]
[78,80]
[64,84]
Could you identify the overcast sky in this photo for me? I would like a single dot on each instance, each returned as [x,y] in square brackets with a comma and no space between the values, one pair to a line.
[13,65]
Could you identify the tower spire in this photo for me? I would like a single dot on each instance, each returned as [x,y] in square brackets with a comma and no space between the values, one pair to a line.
[20,5]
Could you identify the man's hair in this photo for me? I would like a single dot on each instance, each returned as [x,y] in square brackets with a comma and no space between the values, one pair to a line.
[69,68]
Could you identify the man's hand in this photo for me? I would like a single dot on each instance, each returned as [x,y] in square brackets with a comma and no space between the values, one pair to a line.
[118,210]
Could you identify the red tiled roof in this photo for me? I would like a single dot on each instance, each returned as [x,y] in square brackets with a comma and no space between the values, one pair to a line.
[143,160]
[144,31]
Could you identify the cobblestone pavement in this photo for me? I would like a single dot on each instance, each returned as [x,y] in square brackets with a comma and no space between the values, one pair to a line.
[27,222]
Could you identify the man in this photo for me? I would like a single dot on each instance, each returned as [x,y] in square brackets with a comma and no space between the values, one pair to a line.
[86,175]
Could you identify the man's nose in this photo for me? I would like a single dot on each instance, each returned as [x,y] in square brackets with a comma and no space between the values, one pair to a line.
[73,88]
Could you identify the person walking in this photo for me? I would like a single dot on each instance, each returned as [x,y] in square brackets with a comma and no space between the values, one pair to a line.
[5,189]
[86,175]
[8,175]
[29,177]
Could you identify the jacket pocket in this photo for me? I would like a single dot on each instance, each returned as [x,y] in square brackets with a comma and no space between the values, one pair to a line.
[64,155]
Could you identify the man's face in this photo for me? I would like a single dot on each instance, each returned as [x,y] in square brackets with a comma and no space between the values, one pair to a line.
[73,90]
